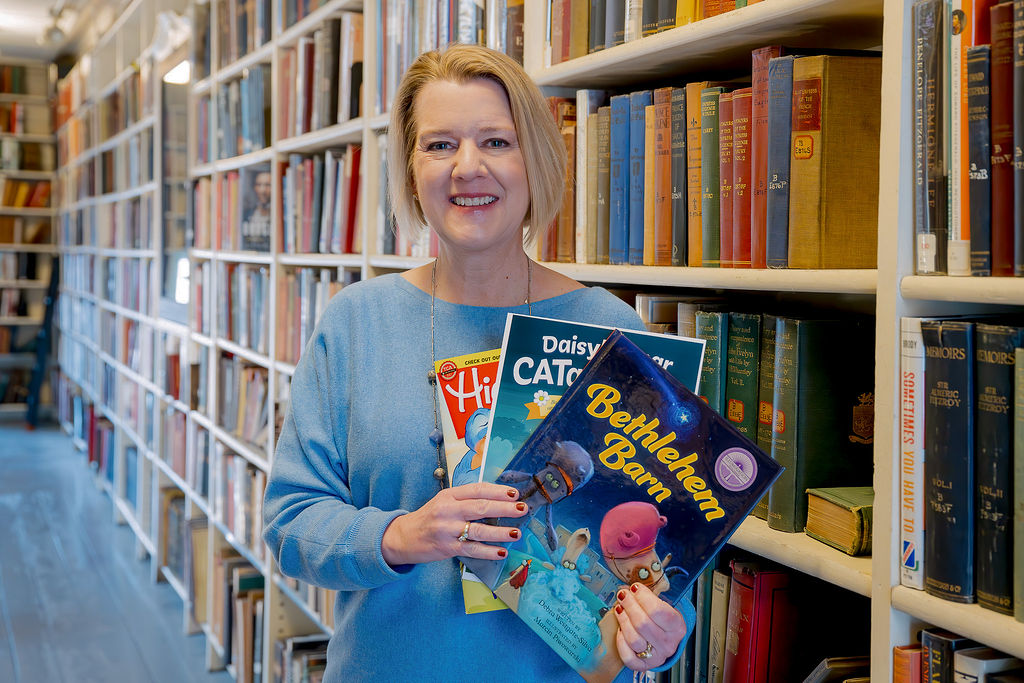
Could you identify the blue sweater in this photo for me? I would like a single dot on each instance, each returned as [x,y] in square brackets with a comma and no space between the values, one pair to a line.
[354,454]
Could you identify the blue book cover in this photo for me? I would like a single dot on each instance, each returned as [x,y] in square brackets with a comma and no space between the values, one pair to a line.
[638,102]
[541,357]
[949,458]
[630,478]
[618,215]
[780,107]
[979,157]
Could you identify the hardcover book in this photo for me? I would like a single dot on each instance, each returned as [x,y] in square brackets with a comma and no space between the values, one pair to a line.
[256,185]
[632,459]
[974,664]
[760,141]
[841,517]
[1018,485]
[911,453]
[760,641]
[906,663]
[979,159]
[541,357]
[725,172]
[638,102]
[780,107]
[937,656]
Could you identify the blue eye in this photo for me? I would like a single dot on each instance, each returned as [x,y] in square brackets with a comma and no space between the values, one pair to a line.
[438,146]
[496,143]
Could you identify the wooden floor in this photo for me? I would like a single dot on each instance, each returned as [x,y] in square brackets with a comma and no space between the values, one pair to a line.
[75,604]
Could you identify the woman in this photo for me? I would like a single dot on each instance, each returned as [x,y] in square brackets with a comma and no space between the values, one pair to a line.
[354,501]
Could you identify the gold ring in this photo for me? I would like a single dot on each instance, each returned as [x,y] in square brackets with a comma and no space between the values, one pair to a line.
[644,654]
[464,536]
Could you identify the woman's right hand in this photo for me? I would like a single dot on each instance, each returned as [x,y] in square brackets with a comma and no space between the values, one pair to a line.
[432,532]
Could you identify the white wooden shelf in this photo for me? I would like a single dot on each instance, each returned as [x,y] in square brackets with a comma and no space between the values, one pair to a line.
[349,132]
[803,553]
[987,290]
[321,260]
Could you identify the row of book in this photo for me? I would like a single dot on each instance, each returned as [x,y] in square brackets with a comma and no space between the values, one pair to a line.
[135,284]
[243,311]
[242,27]
[389,239]
[701,174]
[802,388]
[243,410]
[580,27]
[13,303]
[21,118]
[320,204]
[968,104]
[322,77]
[121,108]
[236,608]
[20,79]
[312,288]
[21,266]
[243,114]
[24,194]
[300,658]
[406,29]
[24,230]
[942,656]
[127,165]
[22,155]
[237,499]
[234,211]
[962,460]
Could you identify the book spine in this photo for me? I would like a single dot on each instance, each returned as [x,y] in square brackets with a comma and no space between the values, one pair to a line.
[694,187]
[566,245]
[1001,75]
[587,252]
[615,23]
[638,102]
[725,171]
[579,28]
[780,107]
[911,453]
[649,20]
[713,328]
[959,247]
[663,177]
[618,221]
[929,160]
[598,15]
[979,159]
[949,458]
[805,247]
[1018,137]
[650,183]
[785,399]
[759,141]
[741,380]
[1018,485]
[587,103]
[741,181]
[603,162]
[678,173]
[993,453]
[906,665]
[709,172]
[765,396]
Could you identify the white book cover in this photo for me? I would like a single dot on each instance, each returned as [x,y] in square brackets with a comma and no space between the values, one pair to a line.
[911,488]
[974,664]
[587,102]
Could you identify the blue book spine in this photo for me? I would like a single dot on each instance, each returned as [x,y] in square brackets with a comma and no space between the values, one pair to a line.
[980,137]
[994,375]
[949,459]
[618,219]
[638,102]
[615,23]
[780,107]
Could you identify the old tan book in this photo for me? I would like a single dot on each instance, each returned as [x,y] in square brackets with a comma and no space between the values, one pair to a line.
[833,218]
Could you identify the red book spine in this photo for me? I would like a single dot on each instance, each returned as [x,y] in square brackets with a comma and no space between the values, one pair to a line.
[725,178]
[1002,138]
[741,182]
[759,153]
[353,202]
[981,22]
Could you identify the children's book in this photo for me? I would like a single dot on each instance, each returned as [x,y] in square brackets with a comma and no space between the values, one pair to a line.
[630,478]
[465,387]
[541,357]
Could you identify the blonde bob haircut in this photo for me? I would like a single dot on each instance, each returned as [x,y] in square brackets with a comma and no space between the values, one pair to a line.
[539,140]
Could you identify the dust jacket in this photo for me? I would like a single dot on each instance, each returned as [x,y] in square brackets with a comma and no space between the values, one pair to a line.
[630,478]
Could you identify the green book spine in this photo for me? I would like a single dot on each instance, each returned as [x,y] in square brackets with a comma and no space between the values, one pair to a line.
[1018,485]
[713,328]
[823,422]
[710,175]
[741,381]
[993,457]
[765,395]
[859,500]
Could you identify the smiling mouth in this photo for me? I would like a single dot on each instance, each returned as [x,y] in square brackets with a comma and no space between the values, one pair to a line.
[473,201]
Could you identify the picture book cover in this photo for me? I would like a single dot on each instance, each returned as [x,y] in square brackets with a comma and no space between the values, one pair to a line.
[465,387]
[540,359]
[630,478]
[256,184]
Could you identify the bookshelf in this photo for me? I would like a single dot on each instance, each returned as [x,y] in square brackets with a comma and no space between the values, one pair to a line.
[27,240]
[166,378]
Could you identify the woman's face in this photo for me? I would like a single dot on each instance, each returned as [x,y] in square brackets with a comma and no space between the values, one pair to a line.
[468,169]
[261,186]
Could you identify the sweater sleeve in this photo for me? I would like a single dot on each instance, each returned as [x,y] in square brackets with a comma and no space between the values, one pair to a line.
[311,524]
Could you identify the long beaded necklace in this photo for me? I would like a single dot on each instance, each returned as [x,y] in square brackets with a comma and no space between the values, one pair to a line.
[436,435]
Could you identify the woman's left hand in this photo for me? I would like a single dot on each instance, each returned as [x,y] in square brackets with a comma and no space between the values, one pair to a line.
[650,629]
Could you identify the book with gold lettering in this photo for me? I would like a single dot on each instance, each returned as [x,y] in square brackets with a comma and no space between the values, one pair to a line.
[631,478]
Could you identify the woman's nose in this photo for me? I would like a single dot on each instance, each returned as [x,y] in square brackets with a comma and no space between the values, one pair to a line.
[468,161]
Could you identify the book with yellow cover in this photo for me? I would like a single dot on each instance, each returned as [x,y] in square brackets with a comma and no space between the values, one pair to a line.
[841,517]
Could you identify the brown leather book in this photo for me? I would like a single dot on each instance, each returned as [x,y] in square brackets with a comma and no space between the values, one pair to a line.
[759,153]
[741,181]
[1001,90]
[662,177]
[725,147]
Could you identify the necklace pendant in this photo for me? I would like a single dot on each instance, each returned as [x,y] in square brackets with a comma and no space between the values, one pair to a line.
[431,376]
[439,474]
[436,437]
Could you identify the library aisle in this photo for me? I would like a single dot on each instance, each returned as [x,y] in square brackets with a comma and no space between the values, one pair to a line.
[75,603]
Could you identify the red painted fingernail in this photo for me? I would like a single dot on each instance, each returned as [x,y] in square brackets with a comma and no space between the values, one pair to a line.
[502,552]
[621,595]
[521,507]
[633,588]
[512,493]
[618,609]
[514,533]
